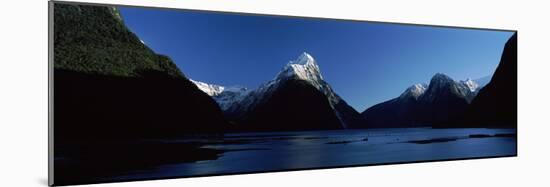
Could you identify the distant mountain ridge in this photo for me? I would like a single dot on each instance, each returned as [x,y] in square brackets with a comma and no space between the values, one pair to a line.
[441,101]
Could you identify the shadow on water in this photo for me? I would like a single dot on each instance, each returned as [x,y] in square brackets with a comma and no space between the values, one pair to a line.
[435,140]
[92,162]
[471,136]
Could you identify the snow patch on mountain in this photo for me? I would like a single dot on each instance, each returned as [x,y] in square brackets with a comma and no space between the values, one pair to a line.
[210,89]
[470,84]
[304,67]
[231,96]
[414,91]
[224,96]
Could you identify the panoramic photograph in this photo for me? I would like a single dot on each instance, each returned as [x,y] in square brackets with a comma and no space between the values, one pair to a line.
[150,93]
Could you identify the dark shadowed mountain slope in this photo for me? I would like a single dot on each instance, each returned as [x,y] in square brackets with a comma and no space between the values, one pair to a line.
[443,102]
[294,105]
[398,112]
[109,85]
[496,103]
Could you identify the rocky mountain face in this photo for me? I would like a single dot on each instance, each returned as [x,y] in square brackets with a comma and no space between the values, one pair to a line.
[443,102]
[496,103]
[108,84]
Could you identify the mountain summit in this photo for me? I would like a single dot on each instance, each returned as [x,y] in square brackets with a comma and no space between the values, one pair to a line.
[304,68]
[296,91]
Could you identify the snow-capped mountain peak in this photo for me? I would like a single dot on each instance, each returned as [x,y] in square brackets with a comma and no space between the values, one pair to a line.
[414,91]
[304,67]
[239,100]
[236,101]
[303,59]
[441,79]
[464,88]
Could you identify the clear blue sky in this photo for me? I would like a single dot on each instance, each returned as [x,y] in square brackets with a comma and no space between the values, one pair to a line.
[366,63]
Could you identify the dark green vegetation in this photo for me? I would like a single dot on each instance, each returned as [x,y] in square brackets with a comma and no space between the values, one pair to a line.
[94,40]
